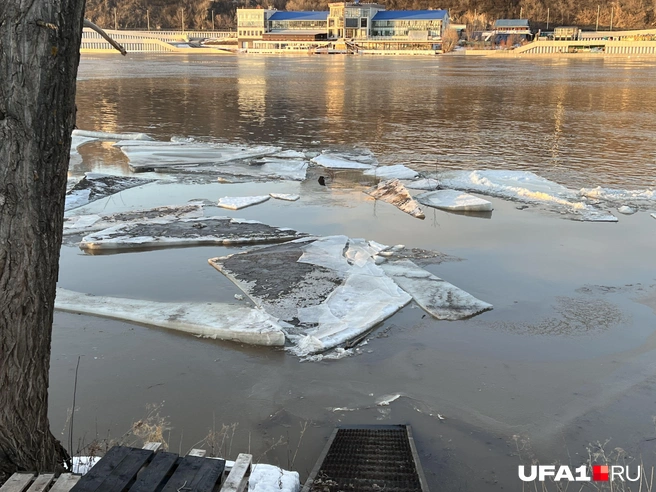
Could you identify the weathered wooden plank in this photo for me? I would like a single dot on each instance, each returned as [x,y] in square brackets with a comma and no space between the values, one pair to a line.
[41,483]
[92,480]
[197,452]
[197,474]
[65,482]
[125,474]
[18,482]
[153,446]
[156,473]
[237,480]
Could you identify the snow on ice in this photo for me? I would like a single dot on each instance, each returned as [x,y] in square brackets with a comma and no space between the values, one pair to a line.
[526,187]
[207,319]
[186,232]
[616,195]
[94,222]
[238,202]
[626,210]
[395,193]
[455,201]
[398,171]
[95,186]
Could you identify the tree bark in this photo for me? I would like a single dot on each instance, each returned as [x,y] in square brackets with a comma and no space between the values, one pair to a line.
[39,56]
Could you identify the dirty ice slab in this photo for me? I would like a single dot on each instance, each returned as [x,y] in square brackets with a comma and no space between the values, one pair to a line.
[238,202]
[95,186]
[395,193]
[328,289]
[78,224]
[334,162]
[187,232]
[436,296]
[146,156]
[208,319]
[455,201]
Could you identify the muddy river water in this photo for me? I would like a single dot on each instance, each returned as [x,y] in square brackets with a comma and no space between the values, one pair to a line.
[566,358]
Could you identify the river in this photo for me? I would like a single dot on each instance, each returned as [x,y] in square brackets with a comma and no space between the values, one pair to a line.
[565,358]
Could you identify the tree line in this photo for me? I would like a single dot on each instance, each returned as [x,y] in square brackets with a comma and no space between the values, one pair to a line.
[221,14]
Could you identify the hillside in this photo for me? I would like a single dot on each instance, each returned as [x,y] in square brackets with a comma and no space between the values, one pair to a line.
[167,14]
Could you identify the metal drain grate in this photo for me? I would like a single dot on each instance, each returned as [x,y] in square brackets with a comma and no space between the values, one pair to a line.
[369,458]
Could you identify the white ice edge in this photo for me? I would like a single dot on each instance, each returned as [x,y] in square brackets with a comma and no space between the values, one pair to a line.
[208,320]
[110,136]
[239,202]
[285,196]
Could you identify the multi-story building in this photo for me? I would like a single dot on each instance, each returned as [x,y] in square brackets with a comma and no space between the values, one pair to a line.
[512,26]
[410,24]
[251,25]
[351,20]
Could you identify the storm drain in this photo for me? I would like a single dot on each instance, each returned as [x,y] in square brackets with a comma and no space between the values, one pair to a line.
[369,458]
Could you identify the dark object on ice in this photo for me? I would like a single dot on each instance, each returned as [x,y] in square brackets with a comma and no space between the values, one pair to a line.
[117,471]
[322,181]
[521,207]
[366,458]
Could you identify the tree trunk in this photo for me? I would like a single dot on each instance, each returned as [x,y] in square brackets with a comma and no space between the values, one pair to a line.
[39,55]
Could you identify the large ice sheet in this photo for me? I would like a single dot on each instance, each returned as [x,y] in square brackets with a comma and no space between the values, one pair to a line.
[273,169]
[209,319]
[524,186]
[186,232]
[398,171]
[78,224]
[77,141]
[110,136]
[455,201]
[332,161]
[285,196]
[436,296]
[395,193]
[328,289]
[147,156]
[238,202]
[95,186]
[614,195]
[269,478]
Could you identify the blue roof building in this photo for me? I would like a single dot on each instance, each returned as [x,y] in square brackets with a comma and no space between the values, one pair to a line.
[414,24]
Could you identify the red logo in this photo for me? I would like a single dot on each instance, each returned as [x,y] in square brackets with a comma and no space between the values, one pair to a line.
[600,473]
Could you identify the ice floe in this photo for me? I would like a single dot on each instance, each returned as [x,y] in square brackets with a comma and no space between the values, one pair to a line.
[208,319]
[238,202]
[395,193]
[337,161]
[524,186]
[272,169]
[270,478]
[78,141]
[626,210]
[398,171]
[146,156]
[285,196]
[95,186]
[186,232]
[653,216]
[329,291]
[324,288]
[78,224]
[455,201]
[436,296]
[110,136]
[423,184]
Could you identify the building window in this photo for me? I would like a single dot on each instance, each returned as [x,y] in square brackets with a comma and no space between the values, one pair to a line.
[363,22]
[351,23]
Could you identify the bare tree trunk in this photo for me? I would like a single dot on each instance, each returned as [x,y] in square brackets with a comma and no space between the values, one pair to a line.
[39,55]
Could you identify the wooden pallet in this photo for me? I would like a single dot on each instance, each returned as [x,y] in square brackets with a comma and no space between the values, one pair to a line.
[143,470]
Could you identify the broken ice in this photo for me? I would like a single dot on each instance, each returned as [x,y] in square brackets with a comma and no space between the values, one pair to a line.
[238,202]
[455,201]
[398,171]
[95,186]
[208,319]
[395,193]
